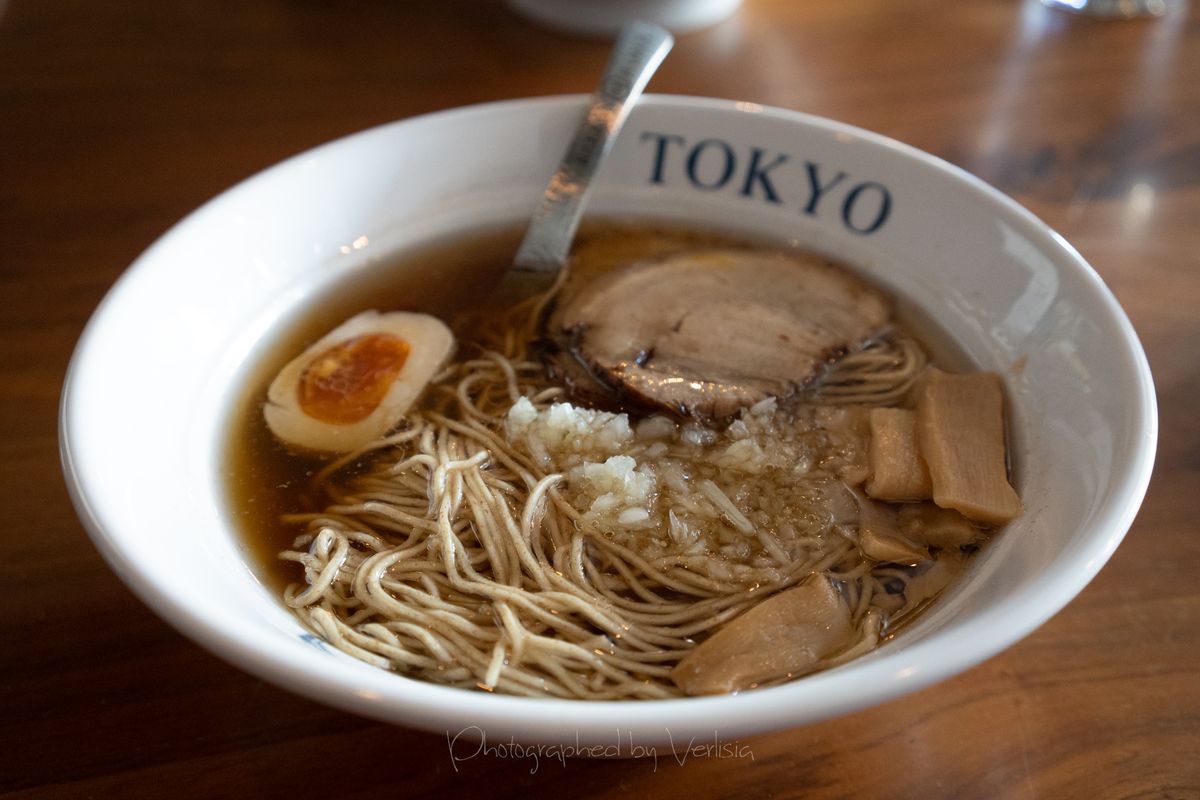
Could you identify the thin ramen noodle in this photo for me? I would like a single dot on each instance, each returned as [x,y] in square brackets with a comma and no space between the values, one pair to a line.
[507,536]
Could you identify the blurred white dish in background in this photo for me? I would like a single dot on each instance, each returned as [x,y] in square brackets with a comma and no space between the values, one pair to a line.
[605,17]
[1111,9]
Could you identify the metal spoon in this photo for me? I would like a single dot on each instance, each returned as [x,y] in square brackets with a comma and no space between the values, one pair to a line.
[639,50]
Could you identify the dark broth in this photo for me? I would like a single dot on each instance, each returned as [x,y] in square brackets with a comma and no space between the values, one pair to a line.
[264,480]
[448,277]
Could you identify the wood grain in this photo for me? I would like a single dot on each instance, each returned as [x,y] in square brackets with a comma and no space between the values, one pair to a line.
[118,118]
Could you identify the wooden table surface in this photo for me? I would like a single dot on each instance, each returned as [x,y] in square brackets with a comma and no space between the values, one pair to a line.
[119,117]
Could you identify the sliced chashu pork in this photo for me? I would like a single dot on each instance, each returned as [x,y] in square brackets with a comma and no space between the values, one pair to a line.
[707,332]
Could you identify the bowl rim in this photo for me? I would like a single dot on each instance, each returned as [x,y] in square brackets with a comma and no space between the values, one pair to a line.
[436,708]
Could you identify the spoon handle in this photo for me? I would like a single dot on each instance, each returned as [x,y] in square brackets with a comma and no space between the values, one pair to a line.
[639,50]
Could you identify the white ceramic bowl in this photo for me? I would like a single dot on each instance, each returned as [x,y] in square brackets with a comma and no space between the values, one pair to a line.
[150,389]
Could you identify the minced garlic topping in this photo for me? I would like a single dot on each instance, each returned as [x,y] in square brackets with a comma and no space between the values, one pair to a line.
[758,493]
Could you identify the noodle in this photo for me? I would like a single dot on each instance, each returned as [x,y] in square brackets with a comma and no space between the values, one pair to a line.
[880,373]
[459,556]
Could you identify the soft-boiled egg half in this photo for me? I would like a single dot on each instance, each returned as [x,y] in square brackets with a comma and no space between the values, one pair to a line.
[356,382]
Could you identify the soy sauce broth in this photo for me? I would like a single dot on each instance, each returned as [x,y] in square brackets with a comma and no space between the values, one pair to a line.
[447,278]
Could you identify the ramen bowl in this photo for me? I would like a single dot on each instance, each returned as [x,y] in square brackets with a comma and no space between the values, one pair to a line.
[150,393]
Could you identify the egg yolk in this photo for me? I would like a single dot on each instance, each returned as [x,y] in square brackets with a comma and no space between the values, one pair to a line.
[344,384]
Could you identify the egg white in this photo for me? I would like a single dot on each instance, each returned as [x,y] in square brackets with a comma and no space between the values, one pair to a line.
[431,344]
